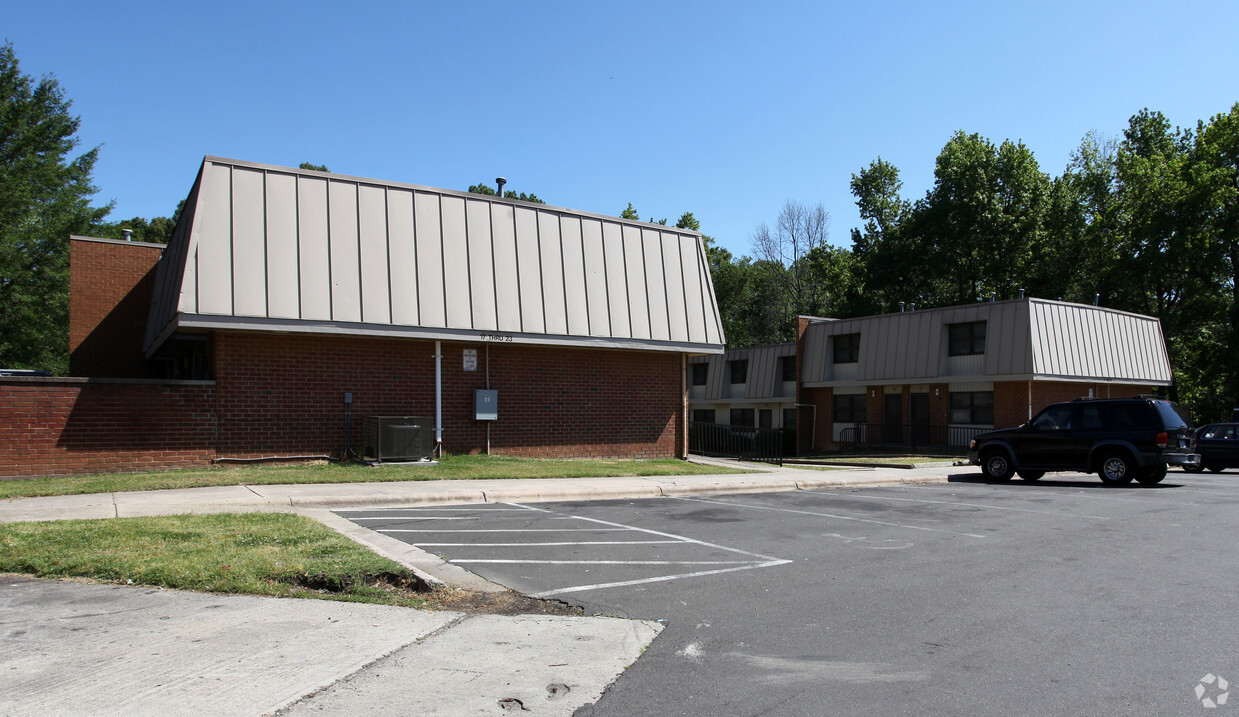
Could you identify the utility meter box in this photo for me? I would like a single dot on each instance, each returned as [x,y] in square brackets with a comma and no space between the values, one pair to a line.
[486,404]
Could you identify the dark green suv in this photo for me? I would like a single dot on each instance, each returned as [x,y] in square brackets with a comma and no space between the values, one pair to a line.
[1117,438]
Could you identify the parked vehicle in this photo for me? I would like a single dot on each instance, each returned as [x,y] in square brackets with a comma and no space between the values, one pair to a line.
[1118,439]
[1218,446]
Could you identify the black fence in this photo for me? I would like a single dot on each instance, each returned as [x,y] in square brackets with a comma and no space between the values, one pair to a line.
[768,445]
[913,437]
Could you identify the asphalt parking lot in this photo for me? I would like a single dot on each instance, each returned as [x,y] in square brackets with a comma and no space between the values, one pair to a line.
[1048,598]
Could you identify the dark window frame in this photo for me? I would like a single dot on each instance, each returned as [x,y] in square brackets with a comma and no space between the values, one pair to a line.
[850,408]
[700,413]
[743,373]
[846,348]
[979,406]
[701,373]
[967,339]
[748,418]
[787,368]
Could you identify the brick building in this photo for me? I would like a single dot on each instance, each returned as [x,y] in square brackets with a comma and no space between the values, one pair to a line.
[939,376]
[290,304]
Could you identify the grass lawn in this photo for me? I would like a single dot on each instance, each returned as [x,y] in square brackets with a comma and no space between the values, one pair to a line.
[271,554]
[449,468]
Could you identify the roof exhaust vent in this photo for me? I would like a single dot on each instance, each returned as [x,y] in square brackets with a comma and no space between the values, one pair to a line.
[500,181]
[1096,299]
[901,307]
[911,307]
[127,233]
[992,297]
[1021,293]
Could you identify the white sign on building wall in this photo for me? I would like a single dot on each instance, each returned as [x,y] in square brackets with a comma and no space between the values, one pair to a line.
[471,360]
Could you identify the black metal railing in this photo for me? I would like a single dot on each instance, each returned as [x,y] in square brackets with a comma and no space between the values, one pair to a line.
[909,436]
[768,445]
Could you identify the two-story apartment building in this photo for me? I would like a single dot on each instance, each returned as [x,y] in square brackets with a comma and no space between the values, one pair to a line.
[939,376]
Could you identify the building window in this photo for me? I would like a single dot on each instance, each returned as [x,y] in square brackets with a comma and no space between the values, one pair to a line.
[739,371]
[972,407]
[701,371]
[703,415]
[765,418]
[847,348]
[789,419]
[967,339]
[850,408]
[787,367]
[742,417]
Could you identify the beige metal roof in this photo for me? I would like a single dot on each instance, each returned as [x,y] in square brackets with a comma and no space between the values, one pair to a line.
[1026,339]
[764,373]
[272,248]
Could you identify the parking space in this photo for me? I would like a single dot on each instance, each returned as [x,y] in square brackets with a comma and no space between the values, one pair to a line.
[899,598]
[547,553]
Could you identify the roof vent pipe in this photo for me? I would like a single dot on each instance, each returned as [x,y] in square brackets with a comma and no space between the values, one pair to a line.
[1021,293]
[1096,299]
[500,181]
[128,234]
[992,297]
[911,307]
[901,307]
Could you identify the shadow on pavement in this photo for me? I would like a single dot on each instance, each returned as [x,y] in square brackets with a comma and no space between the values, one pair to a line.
[1048,482]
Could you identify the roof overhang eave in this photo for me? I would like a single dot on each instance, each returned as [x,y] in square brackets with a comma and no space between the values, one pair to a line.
[340,328]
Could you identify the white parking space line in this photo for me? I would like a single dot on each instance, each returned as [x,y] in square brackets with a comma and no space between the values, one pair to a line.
[522,545]
[871,521]
[745,560]
[658,579]
[500,530]
[962,505]
[656,532]
[603,562]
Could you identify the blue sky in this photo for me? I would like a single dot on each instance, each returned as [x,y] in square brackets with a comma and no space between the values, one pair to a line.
[723,109]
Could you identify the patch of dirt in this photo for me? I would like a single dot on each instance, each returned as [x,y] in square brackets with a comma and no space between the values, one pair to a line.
[408,586]
[504,603]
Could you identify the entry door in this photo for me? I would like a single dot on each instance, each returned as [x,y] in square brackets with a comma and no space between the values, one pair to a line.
[920,419]
[892,418]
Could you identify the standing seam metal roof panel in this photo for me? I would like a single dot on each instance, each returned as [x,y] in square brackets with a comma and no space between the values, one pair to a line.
[1027,337]
[276,248]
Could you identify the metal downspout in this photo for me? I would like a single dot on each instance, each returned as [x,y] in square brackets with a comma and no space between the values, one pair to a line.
[439,398]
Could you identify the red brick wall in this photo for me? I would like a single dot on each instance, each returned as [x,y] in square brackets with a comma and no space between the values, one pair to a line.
[284,394]
[110,288]
[64,426]
[1011,398]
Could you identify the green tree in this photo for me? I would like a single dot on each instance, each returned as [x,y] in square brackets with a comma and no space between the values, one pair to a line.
[508,194]
[44,197]
[313,167]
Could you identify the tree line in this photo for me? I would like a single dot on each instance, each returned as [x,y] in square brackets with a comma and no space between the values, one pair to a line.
[1147,222]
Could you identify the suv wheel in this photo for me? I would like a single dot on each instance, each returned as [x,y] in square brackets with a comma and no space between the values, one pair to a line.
[1151,475]
[996,466]
[1031,475]
[1116,469]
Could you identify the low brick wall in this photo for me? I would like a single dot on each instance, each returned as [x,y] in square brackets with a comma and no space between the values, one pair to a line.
[66,426]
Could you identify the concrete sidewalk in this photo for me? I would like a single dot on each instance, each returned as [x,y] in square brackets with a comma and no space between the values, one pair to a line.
[100,649]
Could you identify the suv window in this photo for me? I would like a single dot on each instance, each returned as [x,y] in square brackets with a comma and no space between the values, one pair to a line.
[1054,418]
[1170,416]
